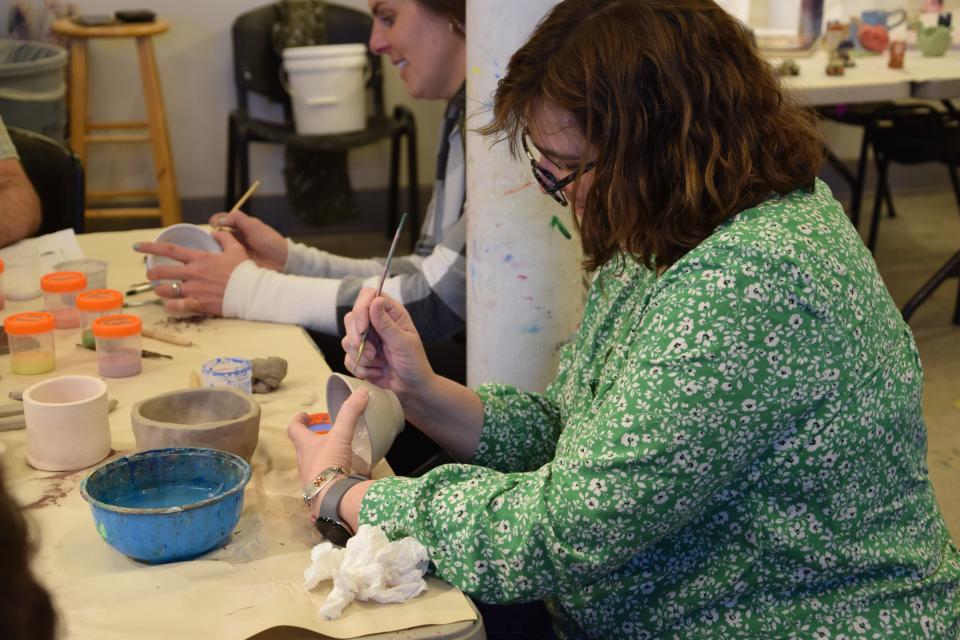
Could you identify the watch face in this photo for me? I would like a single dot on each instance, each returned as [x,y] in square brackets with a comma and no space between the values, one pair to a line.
[333,531]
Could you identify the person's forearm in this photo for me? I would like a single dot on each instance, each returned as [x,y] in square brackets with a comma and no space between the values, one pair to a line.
[449,413]
[19,205]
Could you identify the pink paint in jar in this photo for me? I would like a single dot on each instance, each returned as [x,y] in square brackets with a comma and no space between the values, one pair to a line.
[60,290]
[118,345]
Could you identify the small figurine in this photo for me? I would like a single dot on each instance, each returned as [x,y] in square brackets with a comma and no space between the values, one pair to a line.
[845,51]
[835,65]
[897,50]
[788,67]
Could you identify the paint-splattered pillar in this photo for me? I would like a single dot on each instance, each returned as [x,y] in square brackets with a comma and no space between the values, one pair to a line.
[525,282]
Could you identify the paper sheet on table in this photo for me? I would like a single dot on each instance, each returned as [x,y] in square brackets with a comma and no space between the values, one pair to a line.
[53,248]
[253,583]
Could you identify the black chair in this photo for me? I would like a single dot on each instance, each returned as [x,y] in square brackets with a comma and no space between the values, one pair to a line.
[912,134]
[915,134]
[257,70]
[57,176]
[857,115]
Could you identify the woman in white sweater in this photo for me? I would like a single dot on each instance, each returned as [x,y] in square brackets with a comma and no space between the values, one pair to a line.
[263,276]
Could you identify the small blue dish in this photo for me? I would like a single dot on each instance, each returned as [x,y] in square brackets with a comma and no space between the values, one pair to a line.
[166,505]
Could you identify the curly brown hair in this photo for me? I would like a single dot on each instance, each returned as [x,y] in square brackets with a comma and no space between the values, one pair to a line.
[26,612]
[689,123]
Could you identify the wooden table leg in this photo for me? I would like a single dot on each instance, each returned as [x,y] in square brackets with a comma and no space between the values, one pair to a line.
[162,158]
[78,98]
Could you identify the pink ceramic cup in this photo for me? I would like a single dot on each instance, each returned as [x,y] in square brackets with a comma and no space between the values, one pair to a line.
[68,425]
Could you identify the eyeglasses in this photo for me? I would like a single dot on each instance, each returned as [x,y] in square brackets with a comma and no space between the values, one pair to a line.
[550,184]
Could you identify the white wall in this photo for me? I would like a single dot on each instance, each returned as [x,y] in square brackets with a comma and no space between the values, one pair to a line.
[195,64]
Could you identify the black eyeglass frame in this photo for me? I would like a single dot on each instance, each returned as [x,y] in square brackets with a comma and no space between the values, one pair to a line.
[551,186]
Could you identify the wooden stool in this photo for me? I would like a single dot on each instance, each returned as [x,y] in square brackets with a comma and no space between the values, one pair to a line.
[81,128]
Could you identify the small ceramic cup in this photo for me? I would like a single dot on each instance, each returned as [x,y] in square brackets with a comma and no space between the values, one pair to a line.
[377,427]
[186,235]
[68,425]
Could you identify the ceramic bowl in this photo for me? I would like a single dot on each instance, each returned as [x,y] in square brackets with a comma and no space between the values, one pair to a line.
[219,418]
[186,235]
[167,504]
[377,427]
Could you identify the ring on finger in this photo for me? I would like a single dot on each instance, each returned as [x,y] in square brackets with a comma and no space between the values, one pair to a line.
[176,290]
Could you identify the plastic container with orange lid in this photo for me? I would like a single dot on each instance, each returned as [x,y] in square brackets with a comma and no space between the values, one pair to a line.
[93,304]
[118,345]
[60,290]
[31,342]
[1,284]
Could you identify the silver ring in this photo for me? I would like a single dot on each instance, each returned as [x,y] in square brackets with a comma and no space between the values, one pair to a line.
[176,290]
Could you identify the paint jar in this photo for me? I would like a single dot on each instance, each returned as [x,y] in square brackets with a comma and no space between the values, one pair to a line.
[60,290]
[94,304]
[95,270]
[228,372]
[118,345]
[31,342]
[2,301]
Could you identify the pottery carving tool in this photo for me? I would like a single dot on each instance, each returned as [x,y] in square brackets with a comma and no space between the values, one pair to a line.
[166,337]
[243,199]
[144,353]
[139,288]
[383,276]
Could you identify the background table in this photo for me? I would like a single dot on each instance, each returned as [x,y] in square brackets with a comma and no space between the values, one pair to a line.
[254,582]
[871,80]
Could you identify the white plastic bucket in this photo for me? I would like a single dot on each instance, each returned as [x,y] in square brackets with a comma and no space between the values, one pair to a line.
[327,87]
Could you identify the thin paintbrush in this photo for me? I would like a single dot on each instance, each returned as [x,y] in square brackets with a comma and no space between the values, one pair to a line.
[383,276]
[243,199]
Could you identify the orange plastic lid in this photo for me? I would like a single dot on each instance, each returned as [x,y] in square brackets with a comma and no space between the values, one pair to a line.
[99,300]
[116,326]
[28,322]
[63,281]
[1,265]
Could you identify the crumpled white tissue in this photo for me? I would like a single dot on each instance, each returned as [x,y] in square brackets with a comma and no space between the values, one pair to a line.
[370,567]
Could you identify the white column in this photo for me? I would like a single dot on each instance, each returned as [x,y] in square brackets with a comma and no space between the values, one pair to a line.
[524,278]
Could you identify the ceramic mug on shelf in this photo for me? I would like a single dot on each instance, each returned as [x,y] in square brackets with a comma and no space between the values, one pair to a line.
[881,18]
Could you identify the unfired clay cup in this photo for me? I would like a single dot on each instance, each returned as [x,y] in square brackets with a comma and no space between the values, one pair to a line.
[377,427]
[68,427]
[221,418]
[186,235]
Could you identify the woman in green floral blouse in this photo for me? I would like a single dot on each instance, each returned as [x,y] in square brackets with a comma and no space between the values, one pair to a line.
[733,446]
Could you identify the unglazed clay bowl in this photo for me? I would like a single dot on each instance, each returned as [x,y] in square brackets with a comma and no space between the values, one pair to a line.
[217,418]
[377,427]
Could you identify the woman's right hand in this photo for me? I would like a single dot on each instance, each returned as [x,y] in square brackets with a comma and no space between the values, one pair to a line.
[393,357]
[263,243]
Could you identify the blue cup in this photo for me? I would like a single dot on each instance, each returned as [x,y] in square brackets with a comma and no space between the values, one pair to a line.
[882,18]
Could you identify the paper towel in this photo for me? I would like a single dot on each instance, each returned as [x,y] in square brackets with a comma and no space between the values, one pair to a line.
[370,567]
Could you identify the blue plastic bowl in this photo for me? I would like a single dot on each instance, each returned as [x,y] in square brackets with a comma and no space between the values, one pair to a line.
[165,505]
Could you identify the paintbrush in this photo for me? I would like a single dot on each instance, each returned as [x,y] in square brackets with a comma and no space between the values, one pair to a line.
[243,199]
[383,276]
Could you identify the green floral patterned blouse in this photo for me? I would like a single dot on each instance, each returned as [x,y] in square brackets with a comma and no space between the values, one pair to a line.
[735,449]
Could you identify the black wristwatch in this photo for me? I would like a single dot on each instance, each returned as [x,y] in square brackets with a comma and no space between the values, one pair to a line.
[328,521]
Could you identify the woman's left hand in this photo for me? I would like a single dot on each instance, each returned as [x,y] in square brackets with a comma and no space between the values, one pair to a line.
[317,452]
[202,277]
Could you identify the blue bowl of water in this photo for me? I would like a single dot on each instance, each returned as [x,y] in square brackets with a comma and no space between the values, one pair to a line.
[165,505]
